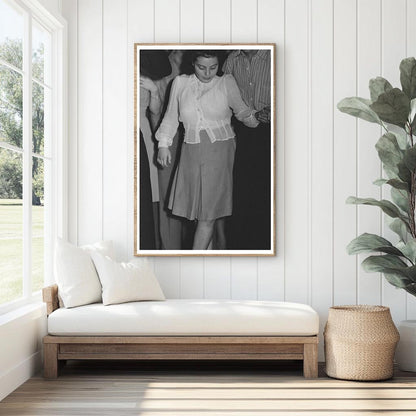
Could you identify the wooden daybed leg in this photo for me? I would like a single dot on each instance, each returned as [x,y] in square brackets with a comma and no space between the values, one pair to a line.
[50,360]
[310,360]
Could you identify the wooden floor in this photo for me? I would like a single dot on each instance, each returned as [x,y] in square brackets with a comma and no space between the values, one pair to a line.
[192,389]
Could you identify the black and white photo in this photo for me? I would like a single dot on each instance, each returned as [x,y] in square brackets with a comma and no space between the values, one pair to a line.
[205,149]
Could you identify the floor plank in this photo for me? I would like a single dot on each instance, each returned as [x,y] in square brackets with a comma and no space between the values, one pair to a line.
[218,388]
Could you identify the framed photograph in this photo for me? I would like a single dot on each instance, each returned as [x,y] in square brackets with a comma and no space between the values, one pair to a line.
[204,150]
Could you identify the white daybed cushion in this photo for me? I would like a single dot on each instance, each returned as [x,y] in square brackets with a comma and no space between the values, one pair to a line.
[126,282]
[187,317]
[75,273]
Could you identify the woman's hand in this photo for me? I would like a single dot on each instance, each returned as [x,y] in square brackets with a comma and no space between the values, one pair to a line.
[164,157]
[148,84]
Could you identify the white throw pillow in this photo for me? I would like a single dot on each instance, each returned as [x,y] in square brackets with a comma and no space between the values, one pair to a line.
[75,273]
[126,282]
[103,247]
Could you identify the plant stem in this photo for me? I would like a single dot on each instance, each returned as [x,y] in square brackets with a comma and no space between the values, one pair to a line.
[412,196]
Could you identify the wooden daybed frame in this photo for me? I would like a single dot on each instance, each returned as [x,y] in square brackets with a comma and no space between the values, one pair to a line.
[58,349]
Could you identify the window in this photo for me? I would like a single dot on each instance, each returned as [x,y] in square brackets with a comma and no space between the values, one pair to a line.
[31,140]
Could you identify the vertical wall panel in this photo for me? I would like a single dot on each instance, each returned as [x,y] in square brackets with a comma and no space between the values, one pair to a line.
[321,166]
[140,30]
[191,278]
[411,28]
[168,271]
[167,20]
[393,38]
[192,21]
[271,29]
[244,278]
[140,21]
[393,51]
[115,136]
[345,151]
[296,152]
[217,272]
[244,22]
[192,30]
[244,29]
[217,21]
[167,29]
[90,128]
[70,11]
[369,167]
[315,69]
[411,51]
[217,29]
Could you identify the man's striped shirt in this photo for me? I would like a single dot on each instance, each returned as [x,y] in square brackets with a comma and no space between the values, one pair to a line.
[253,78]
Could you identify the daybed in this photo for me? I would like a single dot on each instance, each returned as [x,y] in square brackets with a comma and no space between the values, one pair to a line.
[181,329]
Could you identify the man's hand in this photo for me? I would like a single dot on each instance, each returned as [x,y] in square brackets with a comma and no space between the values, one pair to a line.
[263,115]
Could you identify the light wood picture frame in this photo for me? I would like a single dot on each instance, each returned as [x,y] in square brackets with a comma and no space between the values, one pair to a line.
[204,149]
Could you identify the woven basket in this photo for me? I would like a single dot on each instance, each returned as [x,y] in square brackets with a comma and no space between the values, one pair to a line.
[360,341]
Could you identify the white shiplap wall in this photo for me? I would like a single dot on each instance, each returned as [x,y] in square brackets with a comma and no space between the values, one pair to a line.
[326,50]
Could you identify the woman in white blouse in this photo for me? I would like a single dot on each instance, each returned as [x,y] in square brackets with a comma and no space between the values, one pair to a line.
[203,183]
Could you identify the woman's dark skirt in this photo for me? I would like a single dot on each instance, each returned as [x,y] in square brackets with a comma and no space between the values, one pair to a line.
[203,185]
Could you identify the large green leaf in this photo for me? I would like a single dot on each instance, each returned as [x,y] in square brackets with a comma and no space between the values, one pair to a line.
[395,183]
[359,107]
[390,173]
[404,173]
[411,273]
[411,289]
[366,243]
[407,273]
[408,249]
[394,269]
[379,263]
[401,139]
[397,280]
[400,198]
[380,182]
[378,86]
[392,107]
[389,151]
[408,77]
[398,184]
[412,115]
[400,228]
[410,158]
[388,207]
[382,263]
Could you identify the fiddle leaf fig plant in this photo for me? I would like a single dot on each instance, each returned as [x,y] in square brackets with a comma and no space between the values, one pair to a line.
[394,109]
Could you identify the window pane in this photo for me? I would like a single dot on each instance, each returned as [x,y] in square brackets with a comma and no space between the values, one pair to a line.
[11,34]
[38,229]
[11,106]
[11,226]
[38,118]
[41,46]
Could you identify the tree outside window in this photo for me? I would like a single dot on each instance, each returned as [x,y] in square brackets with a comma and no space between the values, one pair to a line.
[24,61]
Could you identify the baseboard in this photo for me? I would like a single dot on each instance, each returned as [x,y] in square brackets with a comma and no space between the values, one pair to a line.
[10,380]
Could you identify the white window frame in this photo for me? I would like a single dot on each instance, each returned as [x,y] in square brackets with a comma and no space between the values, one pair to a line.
[58,211]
